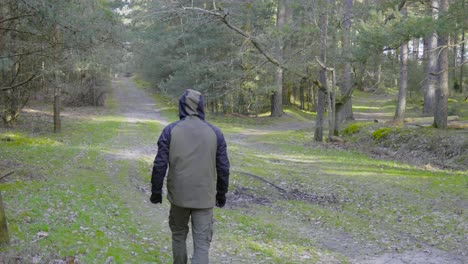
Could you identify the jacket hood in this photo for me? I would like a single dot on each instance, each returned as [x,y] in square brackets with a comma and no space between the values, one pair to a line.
[191,104]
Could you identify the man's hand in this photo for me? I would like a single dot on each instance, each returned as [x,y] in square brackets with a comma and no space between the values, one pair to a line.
[220,200]
[156,198]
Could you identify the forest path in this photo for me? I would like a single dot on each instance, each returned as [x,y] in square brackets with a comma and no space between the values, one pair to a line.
[138,149]
[130,147]
[134,146]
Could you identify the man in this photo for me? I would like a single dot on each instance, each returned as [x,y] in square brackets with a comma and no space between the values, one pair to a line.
[197,179]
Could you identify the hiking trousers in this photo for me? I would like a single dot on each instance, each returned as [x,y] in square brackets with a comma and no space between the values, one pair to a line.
[202,232]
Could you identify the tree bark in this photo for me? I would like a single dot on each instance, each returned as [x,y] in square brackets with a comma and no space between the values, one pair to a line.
[302,91]
[462,48]
[57,106]
[277,97]
[453,38]
[403,81]
[288,46]
[402,84]
[346,112]
[462,51]
[429,85]
[441,106]
[4,237]
[415,49]
[318,135]
[378,69]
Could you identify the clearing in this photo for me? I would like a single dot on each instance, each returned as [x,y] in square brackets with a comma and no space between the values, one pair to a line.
[82,196]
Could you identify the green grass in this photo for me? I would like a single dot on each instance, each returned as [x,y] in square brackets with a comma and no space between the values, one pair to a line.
[68,186]
[378,200]
[458,106]
[69,193]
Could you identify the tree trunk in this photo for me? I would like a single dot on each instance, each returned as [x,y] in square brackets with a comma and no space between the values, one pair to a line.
[57,106]
[277,97]
[4,238]
[318,136]
[415,49]
[453,40]
[378,70]
[346,112]
[441,106]
[429,85]
[403,81]
[462,59]
[287,48]
[302,89]
[334,126]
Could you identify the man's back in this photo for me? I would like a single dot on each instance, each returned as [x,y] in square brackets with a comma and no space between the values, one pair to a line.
[198,176]
[196,153]
[191,181]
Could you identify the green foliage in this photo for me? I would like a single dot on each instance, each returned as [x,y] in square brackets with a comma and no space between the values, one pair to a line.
[92,208]
[19,139]
[384,133]
[354,128]
[67,44]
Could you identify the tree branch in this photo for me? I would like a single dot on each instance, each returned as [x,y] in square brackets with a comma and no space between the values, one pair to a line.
[267,55]
[14,18]
[18,84]
[18,31]
[400,7]
[257,45]
[6,175]
[323,65]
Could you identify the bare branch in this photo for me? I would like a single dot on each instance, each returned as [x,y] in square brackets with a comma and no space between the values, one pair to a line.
[18,31]
[252,39]
[323,65]
[268,56]
[14,18]
[19,84]
[6,175]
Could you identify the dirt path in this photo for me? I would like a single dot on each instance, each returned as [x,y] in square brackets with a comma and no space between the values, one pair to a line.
[128,148]
[139,108]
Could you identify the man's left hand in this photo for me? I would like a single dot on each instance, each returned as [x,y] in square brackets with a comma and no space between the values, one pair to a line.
[220,200]
[156,198]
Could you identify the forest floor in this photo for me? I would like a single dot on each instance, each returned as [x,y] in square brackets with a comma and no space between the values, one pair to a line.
[82,196]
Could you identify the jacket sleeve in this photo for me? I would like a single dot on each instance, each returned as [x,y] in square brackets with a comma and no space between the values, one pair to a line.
[222,165]
[161,161]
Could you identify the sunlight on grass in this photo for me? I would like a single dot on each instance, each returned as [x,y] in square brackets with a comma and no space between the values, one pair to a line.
[87,188]
[376,108]
[10,138]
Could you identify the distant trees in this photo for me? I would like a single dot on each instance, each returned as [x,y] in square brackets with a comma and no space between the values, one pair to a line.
[55,45]
[246,55]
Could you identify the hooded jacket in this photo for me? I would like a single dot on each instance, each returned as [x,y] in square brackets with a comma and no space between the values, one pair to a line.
[195,153]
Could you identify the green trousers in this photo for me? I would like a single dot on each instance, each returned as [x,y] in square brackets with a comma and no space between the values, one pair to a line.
[202,232]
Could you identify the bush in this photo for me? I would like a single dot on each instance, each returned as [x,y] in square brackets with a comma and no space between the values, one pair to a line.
[355,128]
[384,133]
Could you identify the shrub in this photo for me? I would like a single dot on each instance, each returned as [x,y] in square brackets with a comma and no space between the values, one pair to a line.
[383,133]
[355,128]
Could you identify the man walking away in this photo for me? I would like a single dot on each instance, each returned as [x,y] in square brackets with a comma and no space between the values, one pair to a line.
[198,177]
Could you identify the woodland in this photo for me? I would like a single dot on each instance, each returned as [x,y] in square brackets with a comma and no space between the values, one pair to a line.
[346,124]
